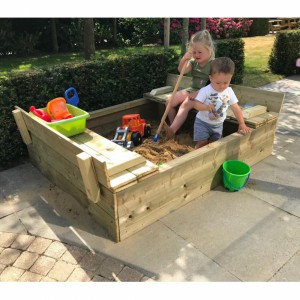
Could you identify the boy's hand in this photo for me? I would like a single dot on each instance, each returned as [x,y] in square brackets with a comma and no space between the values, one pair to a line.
[210,108]
[243,129]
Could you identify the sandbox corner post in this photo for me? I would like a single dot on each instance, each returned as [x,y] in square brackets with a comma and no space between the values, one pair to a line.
[88,174]
[17,113]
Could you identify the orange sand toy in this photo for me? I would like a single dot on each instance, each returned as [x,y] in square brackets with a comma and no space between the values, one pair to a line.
[57,109]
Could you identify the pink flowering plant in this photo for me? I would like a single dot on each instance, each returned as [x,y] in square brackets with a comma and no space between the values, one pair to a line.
[219,28]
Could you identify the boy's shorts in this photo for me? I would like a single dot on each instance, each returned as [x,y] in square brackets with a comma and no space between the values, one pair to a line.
[204,131]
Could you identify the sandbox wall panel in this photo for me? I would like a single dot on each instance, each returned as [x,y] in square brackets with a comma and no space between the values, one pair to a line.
[66,175]
[105,121]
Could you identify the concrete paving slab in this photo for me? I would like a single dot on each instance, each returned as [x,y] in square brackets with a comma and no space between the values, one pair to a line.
[260,253]
[234,229]
[276,181]
[147,251]
[11,223]
[290,272]
[213,222]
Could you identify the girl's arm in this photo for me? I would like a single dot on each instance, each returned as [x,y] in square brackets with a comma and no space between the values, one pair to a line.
[187,56]
[239,116]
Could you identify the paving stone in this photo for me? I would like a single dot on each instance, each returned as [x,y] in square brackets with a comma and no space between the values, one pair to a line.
[11,274]
[129,274]
[48,279]
[9,256]
[30,277]
[39,245]
[73,254]
[26,260]
[22,241]
[147,279]
[91,261]
[6,239]
[55,250]
[98,278]
[61,271]
[1,249]
[81,275]
[43,265]
[2,267]
[108,266]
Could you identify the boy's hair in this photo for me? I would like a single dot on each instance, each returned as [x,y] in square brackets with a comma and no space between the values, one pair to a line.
[222,65]
[205,39]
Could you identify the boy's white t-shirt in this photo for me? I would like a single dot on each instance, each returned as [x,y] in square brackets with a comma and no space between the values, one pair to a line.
[221,102]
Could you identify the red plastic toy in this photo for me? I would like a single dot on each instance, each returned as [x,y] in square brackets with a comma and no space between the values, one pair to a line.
[40,113]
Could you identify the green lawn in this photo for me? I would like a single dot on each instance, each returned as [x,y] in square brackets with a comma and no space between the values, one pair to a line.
[257,51]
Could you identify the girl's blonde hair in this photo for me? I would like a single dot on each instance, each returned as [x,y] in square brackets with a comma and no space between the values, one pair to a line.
[205,39]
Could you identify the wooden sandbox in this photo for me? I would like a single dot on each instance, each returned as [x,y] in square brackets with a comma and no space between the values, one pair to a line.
[123,190]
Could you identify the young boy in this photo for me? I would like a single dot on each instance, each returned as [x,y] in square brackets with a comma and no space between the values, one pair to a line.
[213,101]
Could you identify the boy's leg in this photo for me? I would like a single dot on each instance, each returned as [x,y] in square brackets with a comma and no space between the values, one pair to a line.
[178,99]
[201,144]
[201,133]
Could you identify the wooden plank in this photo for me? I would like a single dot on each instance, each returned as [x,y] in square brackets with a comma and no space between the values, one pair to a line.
[272,100]
[116,157]
[107,124]
[96,114]
[57,162]
[249,112]
[257,121]
[122,179]
[159,98]
[85,163]
[55,177]
[161,90]
[144,169]
[22,126]
[185,82]
[110,224]
[67,176]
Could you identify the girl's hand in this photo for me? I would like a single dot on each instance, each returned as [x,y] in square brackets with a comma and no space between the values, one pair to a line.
[188,55]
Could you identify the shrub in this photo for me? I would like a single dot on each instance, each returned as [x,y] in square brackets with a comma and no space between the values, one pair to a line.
[233,48]
[285,52]
[219,28]
[99,83]
[259,27]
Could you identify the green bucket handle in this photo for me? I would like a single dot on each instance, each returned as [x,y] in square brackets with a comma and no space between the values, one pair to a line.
[233,187]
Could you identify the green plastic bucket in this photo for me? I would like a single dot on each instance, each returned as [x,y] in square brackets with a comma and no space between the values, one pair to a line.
[236,175]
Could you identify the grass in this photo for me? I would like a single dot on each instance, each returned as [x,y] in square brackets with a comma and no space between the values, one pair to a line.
[257,51]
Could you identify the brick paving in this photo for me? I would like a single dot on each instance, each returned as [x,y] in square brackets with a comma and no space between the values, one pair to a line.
[26,258]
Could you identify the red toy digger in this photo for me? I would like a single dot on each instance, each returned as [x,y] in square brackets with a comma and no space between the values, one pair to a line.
[132,131]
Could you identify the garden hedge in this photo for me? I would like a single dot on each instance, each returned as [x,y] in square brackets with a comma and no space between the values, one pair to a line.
[99,83]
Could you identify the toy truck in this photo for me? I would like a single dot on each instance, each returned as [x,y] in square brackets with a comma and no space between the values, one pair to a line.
[132,131]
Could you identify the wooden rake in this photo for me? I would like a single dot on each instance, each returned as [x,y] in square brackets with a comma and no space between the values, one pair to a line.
[170,102]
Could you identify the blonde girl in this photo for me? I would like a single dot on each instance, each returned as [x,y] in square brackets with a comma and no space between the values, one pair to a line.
[201,52]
